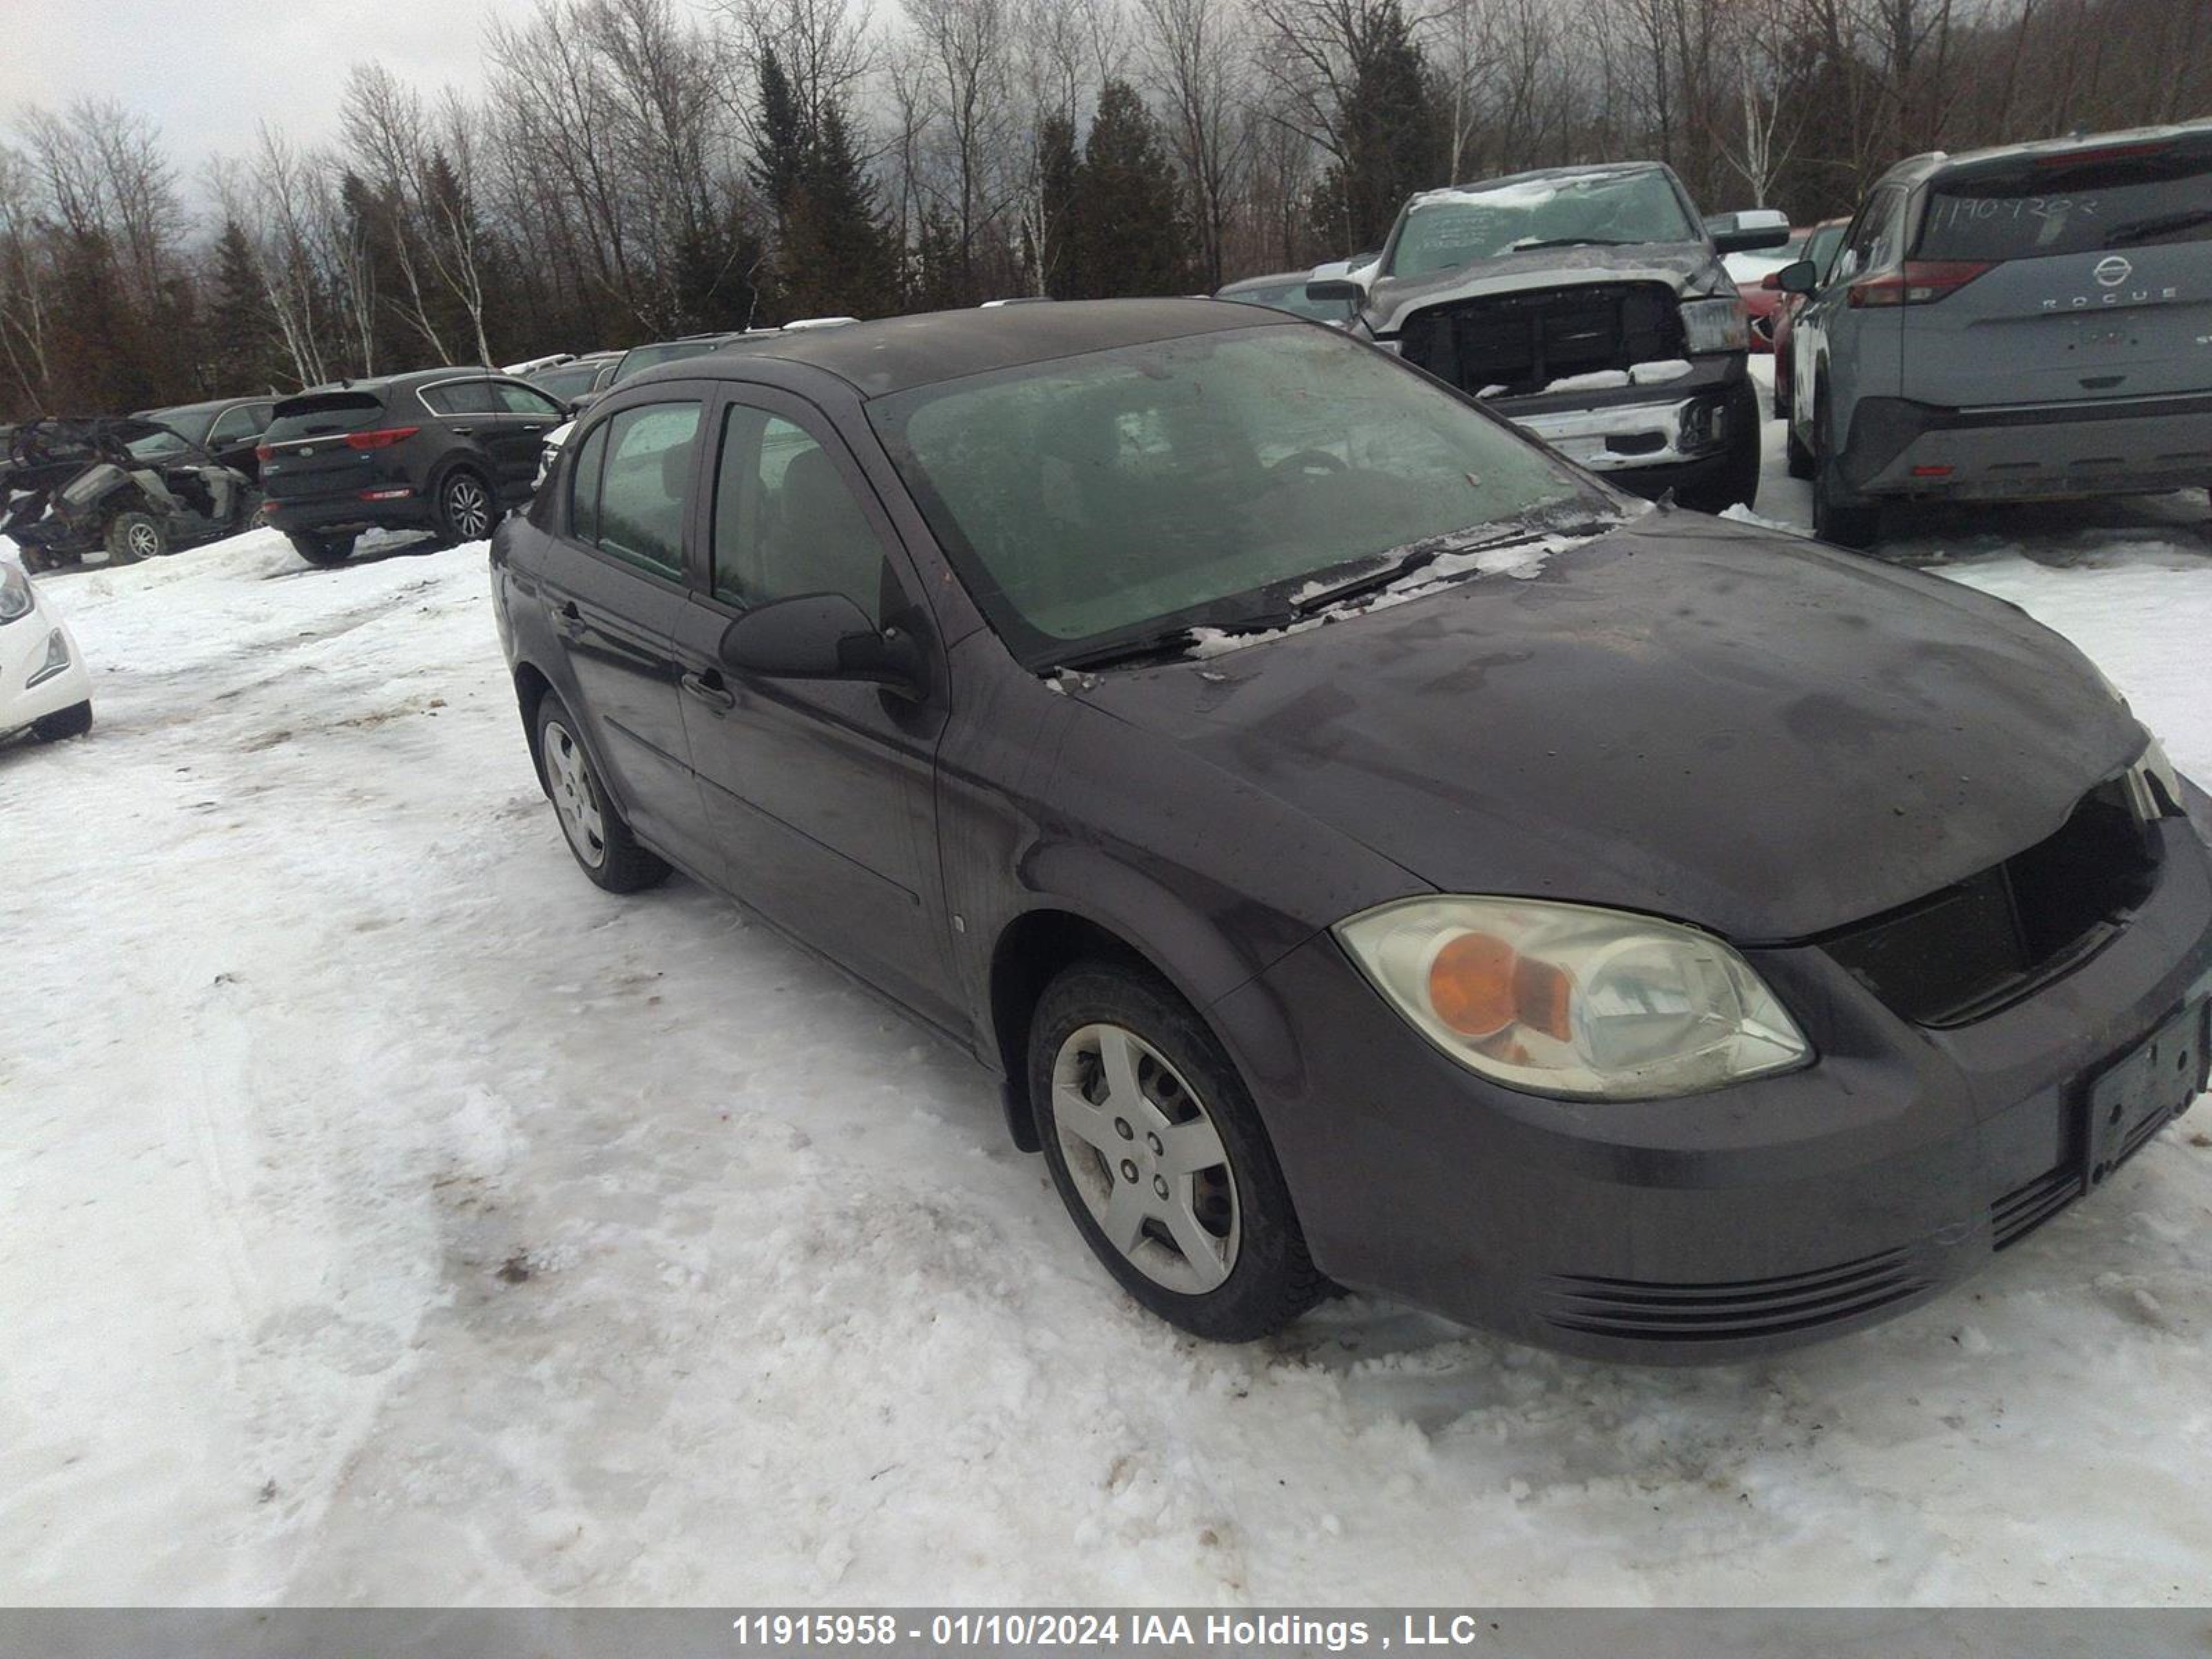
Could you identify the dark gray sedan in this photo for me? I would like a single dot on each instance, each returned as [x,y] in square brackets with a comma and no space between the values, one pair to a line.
[1369,848]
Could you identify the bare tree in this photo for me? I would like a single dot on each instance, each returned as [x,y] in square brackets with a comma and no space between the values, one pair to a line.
[1194,52]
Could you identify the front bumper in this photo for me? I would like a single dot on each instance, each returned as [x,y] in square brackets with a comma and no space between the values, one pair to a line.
[1757,1216]
[1898,448]
[1666,435]
[25,644]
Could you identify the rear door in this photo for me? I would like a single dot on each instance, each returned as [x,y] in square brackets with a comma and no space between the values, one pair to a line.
[615,585]
[2070,278]
[526,415]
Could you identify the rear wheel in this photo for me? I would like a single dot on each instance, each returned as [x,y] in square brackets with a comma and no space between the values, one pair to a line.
[465,506]
[1799,458]
[324,551]
[602,842]
[1159,1155]
[1839,516]
[72,722]
[134,536]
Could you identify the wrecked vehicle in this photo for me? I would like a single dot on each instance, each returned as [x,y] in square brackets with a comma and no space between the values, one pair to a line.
[132,489]
[1589,306]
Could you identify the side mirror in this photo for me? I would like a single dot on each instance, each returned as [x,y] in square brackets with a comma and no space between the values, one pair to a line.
[1325,289]
[1752,228]
[821,636]
[1802,277]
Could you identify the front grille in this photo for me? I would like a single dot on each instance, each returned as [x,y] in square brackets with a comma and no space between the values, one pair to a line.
[1521,343]
[1971,949]
[1650,1311]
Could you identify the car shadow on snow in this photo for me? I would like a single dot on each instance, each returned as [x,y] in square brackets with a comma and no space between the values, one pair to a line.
[384,547]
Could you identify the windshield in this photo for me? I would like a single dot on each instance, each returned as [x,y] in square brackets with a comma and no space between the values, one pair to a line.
[1125,493]
[2088,202]
[1480,221]
[1289,297]
[640,358]
[155,444]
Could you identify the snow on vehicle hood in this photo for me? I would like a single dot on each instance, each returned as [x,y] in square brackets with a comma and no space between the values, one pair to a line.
[1685,716]
[1688,269]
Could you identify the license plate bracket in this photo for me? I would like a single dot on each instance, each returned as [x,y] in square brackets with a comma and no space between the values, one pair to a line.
[2151,1084]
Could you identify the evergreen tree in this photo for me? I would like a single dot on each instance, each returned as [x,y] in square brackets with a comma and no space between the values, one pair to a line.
[779,164]
[934,277]
[1060,167]
[839,259]
[241,346]
[1393,131]
[1127,230]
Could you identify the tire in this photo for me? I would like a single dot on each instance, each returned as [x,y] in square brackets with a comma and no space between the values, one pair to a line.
[1132,1157]
[1839,516]
[64,723]
[134,536]
[1737,484]
[1796,455]
[325,551]
[1781,389]
[466,508]
[604,847]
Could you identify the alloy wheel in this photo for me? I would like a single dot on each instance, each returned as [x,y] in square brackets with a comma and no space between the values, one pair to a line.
[569,775]
[468,510]
[1145,1157]
[145,541]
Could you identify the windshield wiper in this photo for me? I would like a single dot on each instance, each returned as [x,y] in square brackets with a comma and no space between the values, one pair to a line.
[2138,229]
[1171,643]
[1418,556]
[1567,241]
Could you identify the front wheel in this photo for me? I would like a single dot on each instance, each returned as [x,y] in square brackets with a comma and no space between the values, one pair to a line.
[1159,1155]
[604,848]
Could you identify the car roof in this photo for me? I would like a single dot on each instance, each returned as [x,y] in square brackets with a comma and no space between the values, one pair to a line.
[895,354]
[208,405]
[1915,169]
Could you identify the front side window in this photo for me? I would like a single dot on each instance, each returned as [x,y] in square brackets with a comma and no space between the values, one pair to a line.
[1451,228]
[786,522]
[1122,490]
[645,481]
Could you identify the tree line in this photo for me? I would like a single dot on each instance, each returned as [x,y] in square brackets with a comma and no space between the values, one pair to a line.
[635,169]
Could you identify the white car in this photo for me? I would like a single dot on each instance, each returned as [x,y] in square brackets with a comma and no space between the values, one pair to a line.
[43,683]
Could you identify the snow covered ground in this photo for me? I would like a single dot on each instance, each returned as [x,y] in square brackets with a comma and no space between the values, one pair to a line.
[388,1215]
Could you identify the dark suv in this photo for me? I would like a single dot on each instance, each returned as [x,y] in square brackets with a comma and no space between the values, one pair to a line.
[445,450]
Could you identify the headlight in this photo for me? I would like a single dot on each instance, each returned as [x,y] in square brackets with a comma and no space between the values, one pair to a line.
[1567,999]
[58,658]
[1720,324]
[15,592]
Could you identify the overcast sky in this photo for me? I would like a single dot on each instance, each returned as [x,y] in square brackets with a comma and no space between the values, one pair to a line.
[209,71]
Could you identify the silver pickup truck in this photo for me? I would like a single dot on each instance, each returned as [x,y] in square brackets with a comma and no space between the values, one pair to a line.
[1589,306]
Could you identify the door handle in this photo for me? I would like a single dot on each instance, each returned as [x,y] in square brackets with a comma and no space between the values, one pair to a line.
[707,687]
[464,430]
[569,620]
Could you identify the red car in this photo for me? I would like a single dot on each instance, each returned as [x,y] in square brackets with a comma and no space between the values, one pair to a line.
[1754,281]
[1819,246]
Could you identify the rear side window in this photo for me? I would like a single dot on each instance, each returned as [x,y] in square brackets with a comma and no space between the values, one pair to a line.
[2107,200]
[462,398]
[234,425]
[518,399]
[324,413]
[644,484]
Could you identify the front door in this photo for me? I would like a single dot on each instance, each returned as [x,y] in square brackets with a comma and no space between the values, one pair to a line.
[615,588]
[819,792]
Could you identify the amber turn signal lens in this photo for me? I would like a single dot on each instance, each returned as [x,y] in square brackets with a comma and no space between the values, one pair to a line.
[1471,984]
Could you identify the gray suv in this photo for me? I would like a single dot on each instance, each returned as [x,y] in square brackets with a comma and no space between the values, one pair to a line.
[2011,325]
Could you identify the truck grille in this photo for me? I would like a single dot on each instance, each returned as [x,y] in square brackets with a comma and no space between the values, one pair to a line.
[1523,342]
[1963,953]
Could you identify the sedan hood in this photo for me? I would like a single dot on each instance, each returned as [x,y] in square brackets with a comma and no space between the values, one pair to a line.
[1689,717]
[1689,268]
